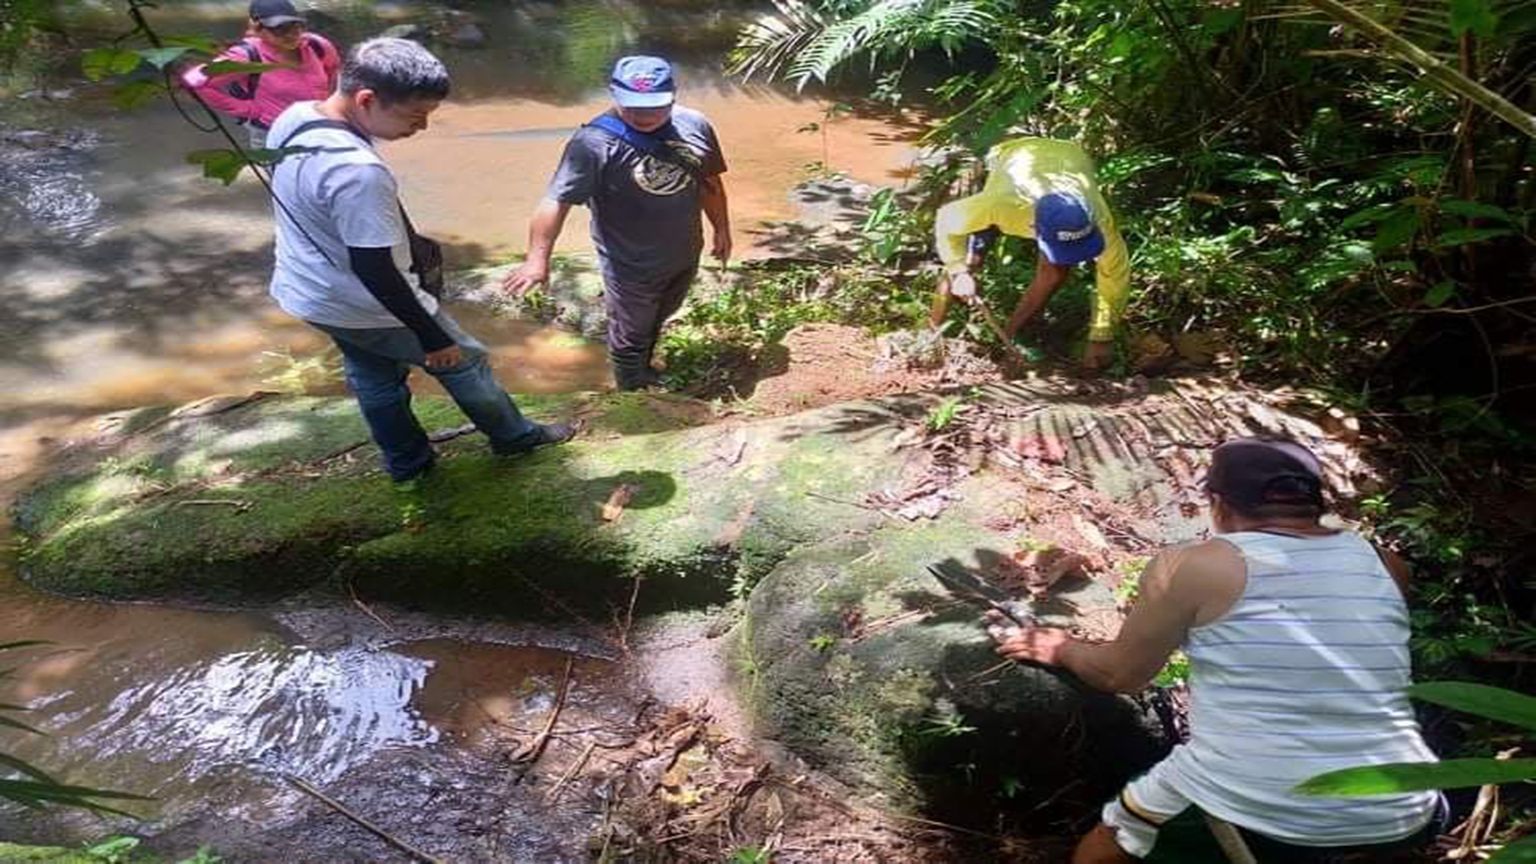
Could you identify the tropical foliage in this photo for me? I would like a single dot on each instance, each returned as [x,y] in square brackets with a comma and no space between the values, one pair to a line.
[1338,193]
[1493,703]
[29,785]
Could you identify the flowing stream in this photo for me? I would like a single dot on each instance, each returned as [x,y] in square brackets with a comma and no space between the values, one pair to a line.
[128,280]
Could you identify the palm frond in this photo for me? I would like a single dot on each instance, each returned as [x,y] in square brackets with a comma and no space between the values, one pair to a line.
[803,43]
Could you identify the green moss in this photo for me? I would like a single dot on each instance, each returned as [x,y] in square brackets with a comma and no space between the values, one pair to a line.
[643,414]
[13,853]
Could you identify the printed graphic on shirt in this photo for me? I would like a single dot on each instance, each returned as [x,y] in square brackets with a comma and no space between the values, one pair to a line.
[662,177]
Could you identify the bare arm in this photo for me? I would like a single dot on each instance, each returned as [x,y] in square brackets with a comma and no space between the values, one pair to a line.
[1048,279]
[1397,568]
[717,210]
[1165,610]
[543,231]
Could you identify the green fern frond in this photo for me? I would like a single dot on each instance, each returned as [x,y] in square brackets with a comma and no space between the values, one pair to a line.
[803,43]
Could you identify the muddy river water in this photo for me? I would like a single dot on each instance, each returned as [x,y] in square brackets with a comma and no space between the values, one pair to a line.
[127,280]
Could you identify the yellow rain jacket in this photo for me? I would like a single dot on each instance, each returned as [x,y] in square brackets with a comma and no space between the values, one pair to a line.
[1018,173]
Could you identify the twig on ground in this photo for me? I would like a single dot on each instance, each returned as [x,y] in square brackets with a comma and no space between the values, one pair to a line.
[623,627]
[339,453]
[240,506]
[581,762]
[526,757]
[416,854]
[842,501]
[367,610]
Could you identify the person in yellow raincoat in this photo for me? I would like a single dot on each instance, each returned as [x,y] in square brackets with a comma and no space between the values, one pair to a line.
[1042,189]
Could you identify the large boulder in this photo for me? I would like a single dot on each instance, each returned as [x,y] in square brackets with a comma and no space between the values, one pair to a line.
[847,649]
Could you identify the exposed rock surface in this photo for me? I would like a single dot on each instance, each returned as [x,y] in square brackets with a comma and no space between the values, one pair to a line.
[847,651]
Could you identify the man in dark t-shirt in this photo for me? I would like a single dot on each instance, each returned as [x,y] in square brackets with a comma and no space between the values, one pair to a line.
[646,169]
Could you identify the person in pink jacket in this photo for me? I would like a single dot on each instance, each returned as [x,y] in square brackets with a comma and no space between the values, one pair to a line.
[308,67]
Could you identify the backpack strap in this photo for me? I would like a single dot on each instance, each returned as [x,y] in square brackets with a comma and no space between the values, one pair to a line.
[414,238]
[652,144]
[324,123]
[252,55]
[316,46]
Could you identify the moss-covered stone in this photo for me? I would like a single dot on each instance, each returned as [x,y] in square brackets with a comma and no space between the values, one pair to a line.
[181,508]
[14,853]
[913,704]
[848,650]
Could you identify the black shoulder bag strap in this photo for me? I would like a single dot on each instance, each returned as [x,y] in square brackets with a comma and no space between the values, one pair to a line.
[651,144]
[426,253]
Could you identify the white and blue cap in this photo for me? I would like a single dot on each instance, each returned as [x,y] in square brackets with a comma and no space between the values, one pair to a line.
[643,82]
[1065,230]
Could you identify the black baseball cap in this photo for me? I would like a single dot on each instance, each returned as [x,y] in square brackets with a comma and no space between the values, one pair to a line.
[275,13]
[1252,472]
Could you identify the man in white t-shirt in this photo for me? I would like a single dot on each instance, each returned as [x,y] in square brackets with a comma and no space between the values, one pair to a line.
[344,251]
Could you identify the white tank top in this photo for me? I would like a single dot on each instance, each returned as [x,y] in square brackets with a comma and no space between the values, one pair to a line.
[1306,673]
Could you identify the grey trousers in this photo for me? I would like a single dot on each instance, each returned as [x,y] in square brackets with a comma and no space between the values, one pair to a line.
[636,311]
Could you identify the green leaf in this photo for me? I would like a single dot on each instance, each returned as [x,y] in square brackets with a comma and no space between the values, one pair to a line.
[1373,213]
[1218,21]
[1494,703]
[231,67]
[193,43]
[162,57]
[1476,210]
[1357,253]
[1396,230]
[1436,296]
[25,768]
[17,724]
[54,790]
[221,165]
[1469,236]
[135,93]
[1416,776]
[1475,15]
[1522,851]
[99,63]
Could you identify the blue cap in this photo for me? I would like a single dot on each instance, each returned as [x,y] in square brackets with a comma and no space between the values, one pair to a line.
[643,82]
[1065,230]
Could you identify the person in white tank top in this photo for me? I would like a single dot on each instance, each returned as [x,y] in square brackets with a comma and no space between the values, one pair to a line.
[1297,636]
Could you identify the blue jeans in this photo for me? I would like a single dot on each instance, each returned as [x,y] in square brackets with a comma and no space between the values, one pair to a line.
[377,362]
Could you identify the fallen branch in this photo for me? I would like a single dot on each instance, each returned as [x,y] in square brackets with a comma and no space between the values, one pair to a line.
[581,762]
[240,506]
[529,754]
[352,589]
[842,501]
[416,854]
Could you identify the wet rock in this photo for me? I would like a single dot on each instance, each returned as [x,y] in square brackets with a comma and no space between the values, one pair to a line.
[413,32]
[62,94]
[464,35]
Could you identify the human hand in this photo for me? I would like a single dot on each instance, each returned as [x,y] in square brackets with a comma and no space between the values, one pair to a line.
[444,358]
[721,249]
[1098,355]
[1043,645]
[532,273]
[962,286]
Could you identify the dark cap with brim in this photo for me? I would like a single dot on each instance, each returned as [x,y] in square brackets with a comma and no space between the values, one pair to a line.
[275,13]
[1065,229]
[1252,472]
[642,82]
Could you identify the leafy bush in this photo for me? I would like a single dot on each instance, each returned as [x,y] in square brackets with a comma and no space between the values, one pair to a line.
[1493,703]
